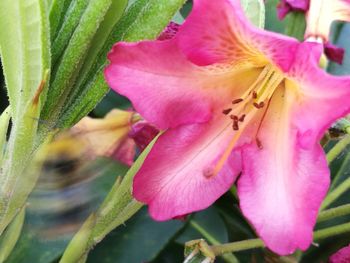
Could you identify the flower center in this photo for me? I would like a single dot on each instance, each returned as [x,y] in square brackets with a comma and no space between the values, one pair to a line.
[256,98]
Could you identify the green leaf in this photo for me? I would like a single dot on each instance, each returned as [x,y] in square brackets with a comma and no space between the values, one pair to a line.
[74,54]
[140,240]
[255,11]
[145,19]
[10,237]
[25,53]
[24,50]
[69,23]
[58,12]
[111,18]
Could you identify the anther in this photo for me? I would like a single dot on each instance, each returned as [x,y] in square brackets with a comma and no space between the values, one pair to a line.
[237,101]
[227,111]
[259,105]
[234,117]
[256,105]
[255,95]
[235,126]
[241,119]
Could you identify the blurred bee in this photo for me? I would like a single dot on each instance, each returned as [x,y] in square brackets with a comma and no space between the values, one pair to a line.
[71,168]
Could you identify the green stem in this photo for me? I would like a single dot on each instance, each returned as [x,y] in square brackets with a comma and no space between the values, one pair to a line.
[334,212]
[296,25]
[230,258]
[342,170]
[212,240]
[237,246]
[338,148]
[331,231]
[334,195]
[258,243]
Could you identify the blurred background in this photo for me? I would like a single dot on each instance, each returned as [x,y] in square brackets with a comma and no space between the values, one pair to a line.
[71,187]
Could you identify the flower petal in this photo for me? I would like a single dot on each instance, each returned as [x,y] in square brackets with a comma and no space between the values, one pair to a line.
[225,35]
[161,84]
[282,185]
[177,175]
[323,98]
[166,88]
[342,256]
[286,6]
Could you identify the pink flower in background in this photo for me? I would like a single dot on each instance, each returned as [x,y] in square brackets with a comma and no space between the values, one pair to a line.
[342,256]
[143,133]
[233,99]
[287,6]
[320,15]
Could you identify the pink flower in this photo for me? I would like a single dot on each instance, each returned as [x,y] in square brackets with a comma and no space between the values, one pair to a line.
[232,98]
[320,15]
[287,6]
[342,256]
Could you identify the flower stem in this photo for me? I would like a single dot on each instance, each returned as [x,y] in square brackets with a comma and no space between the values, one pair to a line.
[334,212]
[204,233]
[331,231]
[334,195]
[237,246]
[258,243]
[338,148]
[229,258]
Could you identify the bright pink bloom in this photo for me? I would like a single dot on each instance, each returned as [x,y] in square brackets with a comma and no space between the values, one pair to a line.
[287,6]
[232,98]
[342,256]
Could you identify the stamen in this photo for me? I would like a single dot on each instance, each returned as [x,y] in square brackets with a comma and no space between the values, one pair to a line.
[241,119]
[227,111]
[237,101]
[235,126]
[227,152]
[258,142]
[254,95]
[262,104]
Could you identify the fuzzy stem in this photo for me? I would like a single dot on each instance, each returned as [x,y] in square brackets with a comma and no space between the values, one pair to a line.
[229,258]
[258,243]
[338,148]
[334,195]
[334,212]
